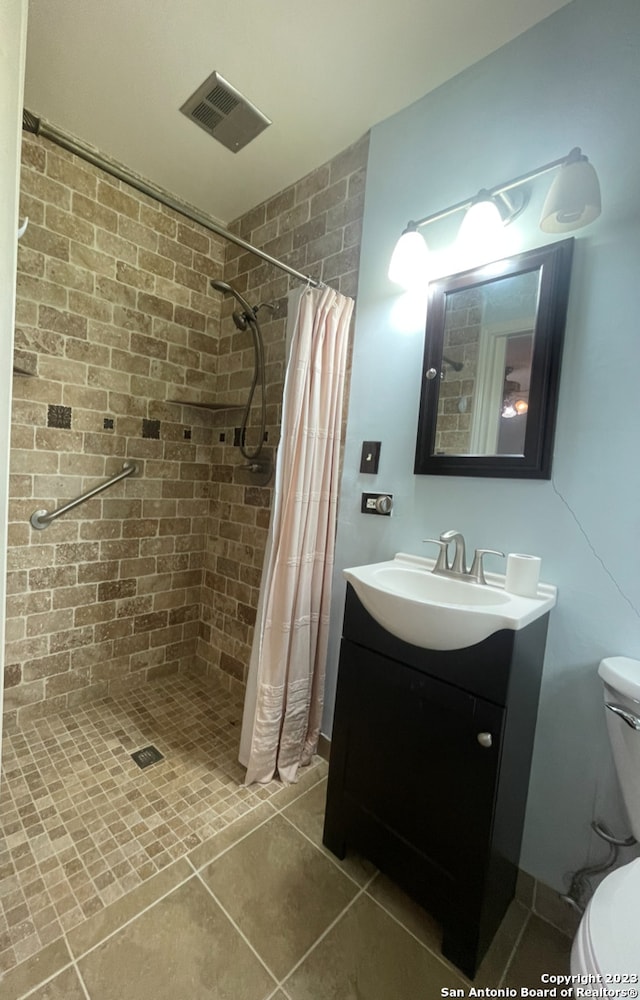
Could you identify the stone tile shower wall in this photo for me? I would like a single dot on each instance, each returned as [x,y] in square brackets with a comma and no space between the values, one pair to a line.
[315,226]
[456,399]
[114,318]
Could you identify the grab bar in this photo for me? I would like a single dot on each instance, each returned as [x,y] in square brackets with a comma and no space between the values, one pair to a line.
[41,519]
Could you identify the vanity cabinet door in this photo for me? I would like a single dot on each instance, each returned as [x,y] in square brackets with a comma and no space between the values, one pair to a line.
[429,769]
[422,761]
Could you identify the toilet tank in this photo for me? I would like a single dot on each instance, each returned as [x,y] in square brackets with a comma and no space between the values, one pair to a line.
[621,678]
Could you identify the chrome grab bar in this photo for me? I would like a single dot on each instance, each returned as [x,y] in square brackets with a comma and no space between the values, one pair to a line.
[41,519]
[628,717]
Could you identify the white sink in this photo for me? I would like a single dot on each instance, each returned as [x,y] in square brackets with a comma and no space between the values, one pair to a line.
[438,612]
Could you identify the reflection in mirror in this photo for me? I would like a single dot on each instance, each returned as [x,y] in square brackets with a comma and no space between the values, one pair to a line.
[491,366]
[483,395]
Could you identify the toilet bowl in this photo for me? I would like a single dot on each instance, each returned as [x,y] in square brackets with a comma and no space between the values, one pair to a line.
[608,938]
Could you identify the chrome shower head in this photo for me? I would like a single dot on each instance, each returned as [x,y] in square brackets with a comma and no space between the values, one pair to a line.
[225,288]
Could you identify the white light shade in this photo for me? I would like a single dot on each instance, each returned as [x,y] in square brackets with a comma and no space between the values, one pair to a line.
[409,264]
[573,200]
[481,234]
[482,222]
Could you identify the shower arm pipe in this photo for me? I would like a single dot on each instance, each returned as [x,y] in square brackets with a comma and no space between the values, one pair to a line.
[38,126]
[41,519]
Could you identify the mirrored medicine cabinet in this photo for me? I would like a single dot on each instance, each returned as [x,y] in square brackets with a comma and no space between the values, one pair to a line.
[493,347]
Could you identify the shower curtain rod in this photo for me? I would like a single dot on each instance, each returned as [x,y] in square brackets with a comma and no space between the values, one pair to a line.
[32,123]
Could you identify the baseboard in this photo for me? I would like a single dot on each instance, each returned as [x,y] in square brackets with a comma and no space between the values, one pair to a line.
[324,746]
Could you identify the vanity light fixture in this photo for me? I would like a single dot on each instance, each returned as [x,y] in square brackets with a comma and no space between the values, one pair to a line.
[410,258]
[574,197]
[482,226]
[482,219]
[573,201]
[517,409]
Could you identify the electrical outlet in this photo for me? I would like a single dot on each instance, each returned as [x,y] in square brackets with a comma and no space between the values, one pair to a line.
[377,503]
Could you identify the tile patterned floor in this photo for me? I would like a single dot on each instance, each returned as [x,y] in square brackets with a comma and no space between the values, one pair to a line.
[81,824]
[252,908]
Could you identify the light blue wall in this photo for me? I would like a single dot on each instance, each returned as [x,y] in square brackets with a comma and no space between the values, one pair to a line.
[572,80]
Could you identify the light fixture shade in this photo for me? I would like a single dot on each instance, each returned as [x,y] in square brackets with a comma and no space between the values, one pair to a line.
[573,200]
[481,233]
[409,264]
[482,221]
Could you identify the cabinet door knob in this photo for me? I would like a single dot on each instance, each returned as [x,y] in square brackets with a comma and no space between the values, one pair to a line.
[484,739]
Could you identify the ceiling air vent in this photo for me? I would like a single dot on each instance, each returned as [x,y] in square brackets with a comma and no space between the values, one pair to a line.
[224,113]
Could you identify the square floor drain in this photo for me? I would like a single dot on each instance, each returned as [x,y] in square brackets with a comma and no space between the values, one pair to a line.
[147,756]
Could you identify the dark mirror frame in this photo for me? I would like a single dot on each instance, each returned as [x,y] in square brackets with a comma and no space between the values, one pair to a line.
[554,263]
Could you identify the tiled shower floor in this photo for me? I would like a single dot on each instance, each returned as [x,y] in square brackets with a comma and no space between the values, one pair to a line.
[177,882]
[81,824]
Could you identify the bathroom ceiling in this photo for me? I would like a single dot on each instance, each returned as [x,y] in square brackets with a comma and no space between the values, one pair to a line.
[116,73]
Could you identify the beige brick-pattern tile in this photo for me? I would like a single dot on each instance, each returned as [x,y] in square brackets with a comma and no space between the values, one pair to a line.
[100,299]
[115,316]
[316,226]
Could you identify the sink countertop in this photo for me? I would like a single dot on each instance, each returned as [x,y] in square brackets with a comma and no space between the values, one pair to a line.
[440,612]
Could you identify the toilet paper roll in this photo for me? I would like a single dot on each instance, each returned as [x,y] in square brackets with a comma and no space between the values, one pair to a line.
[523,573]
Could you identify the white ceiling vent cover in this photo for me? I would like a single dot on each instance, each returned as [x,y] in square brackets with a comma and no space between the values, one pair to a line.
[224,113]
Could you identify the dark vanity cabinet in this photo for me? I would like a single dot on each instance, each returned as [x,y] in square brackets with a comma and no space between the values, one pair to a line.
[429,769]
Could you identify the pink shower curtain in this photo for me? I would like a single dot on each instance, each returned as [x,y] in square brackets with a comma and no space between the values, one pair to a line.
[283,710]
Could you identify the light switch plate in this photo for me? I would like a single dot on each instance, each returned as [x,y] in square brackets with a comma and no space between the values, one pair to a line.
[370,457]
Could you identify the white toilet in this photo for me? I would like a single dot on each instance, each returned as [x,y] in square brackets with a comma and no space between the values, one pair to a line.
[608,938]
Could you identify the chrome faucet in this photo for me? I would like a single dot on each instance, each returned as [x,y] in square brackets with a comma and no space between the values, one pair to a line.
[459,564]
[458,568]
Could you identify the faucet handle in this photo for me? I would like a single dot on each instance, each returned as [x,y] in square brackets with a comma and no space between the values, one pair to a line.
[477,570]
[441,561]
